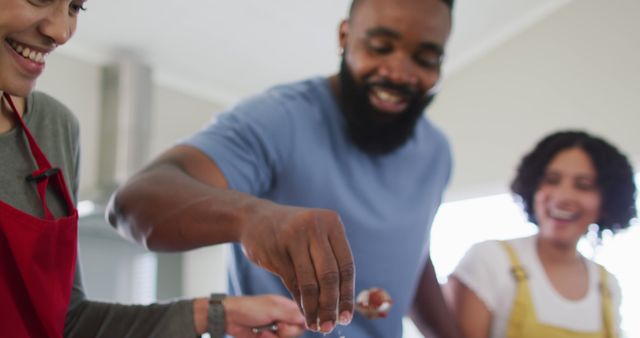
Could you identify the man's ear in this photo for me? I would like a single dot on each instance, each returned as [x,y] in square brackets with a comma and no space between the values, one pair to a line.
[343,33]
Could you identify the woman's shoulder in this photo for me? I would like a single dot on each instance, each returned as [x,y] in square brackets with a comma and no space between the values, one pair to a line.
[483,254]
[495,251]
[51,111]
[40,100]
[609,278]
[490,246]
[485,270]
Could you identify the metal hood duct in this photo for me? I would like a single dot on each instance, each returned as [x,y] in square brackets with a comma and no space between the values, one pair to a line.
[125,126]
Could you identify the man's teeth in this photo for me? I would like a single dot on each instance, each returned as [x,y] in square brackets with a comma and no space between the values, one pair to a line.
[27,53]
[386,96]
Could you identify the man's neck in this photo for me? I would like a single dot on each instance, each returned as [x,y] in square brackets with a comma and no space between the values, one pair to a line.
[7,118]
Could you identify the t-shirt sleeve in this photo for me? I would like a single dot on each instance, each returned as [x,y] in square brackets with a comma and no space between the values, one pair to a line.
[482,270]
[249,142]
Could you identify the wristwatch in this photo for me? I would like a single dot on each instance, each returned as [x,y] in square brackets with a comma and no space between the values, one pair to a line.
[216,315]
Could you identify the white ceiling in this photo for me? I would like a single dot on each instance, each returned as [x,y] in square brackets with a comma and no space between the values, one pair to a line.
[224,50]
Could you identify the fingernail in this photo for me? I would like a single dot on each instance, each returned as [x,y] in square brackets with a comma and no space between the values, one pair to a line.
[313,327]
[345,318]
[326,327]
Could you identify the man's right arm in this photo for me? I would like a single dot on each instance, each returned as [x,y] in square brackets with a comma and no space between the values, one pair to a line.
[181,201]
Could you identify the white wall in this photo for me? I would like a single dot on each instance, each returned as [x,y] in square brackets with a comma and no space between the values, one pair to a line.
[577,68]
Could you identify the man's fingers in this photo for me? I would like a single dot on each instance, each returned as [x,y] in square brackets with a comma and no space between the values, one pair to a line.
[328,280]
[290,280]
[320,275]
[307,282]
[346,267]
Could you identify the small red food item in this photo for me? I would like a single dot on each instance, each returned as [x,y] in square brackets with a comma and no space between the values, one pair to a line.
[373,303]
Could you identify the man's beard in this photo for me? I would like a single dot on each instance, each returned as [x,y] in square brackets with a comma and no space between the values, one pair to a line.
[373,131]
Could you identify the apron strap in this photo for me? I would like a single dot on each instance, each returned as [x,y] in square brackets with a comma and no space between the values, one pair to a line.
[42,161]
[45,170]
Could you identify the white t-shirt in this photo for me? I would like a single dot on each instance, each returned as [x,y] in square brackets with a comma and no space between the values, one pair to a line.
[485,269]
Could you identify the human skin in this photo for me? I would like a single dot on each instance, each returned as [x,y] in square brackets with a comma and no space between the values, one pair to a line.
[568,199]
[40,27]
[402,43]
[243,313]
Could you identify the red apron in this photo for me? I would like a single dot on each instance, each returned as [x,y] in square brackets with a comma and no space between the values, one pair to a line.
[37,257]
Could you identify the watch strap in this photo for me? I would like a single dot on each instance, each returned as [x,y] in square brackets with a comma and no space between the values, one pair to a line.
[215,315]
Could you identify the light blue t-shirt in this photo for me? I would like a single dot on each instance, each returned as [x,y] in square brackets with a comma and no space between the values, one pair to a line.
[289,145]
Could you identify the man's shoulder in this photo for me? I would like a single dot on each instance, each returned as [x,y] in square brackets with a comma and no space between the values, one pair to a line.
[432,141]
[307,91]
[300,87]
[285,101]
[426,127]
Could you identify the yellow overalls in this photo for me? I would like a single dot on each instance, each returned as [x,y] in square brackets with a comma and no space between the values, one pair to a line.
[523,322]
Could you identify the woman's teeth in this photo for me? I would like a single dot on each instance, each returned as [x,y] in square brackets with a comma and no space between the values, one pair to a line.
[28,53]
[561,214]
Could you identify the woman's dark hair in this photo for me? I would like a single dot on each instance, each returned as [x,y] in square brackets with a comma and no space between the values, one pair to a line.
[614,176]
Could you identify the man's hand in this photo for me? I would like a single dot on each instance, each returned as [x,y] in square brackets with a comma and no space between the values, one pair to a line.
[182,201]
[308,249]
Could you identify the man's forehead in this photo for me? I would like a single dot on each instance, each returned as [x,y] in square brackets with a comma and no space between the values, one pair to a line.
[407,4]
[431,17]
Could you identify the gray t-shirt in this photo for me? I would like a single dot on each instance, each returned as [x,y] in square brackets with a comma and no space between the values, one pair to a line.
[57,133]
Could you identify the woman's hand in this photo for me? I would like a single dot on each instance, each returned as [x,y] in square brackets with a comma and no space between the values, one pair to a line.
[244,313]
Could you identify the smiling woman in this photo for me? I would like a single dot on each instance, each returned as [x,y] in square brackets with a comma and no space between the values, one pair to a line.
[41,289]
[541,286]
[38,232]
[31,29]
[497,217]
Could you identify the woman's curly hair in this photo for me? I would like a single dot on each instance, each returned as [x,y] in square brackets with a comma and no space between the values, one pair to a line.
[614,176]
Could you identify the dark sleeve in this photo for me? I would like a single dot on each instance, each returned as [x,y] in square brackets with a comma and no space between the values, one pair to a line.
[87,318]
[75,177]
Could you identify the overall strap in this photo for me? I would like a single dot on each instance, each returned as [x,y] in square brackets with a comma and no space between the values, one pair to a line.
[607,306]
[522,299]
[516,268]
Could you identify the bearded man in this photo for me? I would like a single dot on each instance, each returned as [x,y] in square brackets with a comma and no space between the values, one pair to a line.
[315,179]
